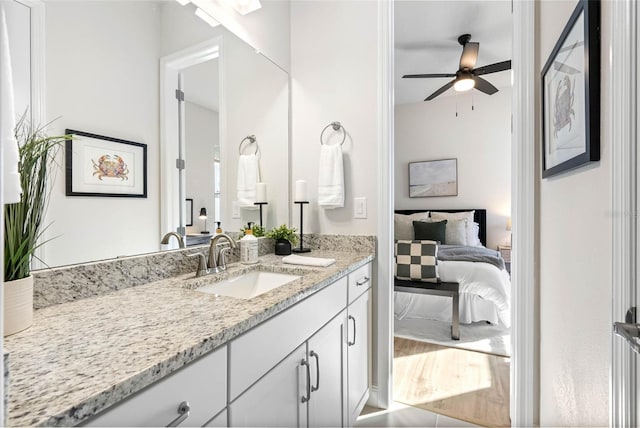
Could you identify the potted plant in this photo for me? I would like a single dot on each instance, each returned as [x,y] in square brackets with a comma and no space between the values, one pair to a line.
[23,222]
[284,237]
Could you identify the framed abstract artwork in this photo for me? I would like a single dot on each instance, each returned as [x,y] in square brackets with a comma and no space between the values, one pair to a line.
[433,178]
[571,94]
[104,166]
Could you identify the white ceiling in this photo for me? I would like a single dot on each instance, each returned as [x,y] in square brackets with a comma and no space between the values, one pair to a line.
[426,41]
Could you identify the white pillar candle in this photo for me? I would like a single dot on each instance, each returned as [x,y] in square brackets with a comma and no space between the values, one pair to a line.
[261,192]
[301,191]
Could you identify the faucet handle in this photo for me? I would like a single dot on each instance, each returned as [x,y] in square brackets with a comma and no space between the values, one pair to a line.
[202,264]
[222,258]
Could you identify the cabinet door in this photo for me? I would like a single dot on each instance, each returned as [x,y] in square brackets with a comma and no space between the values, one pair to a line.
[275,399]
[325,359]
[357,356]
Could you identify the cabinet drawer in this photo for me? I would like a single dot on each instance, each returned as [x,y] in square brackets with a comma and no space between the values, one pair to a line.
[201,383]
[359,282]
[254,353]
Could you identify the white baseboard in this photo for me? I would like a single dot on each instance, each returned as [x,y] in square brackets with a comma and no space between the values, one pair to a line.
[373,400]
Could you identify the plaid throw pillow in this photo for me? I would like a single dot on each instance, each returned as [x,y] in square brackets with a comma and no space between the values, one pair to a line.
[417,261]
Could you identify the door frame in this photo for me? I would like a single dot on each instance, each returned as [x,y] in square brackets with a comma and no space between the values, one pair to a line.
[171,67]
[524,361]
[622,134]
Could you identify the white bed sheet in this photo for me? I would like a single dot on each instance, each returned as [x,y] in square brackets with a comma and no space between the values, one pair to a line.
[485,294]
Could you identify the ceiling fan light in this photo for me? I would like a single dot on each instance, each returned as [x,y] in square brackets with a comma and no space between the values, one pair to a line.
[184,2]
[464,84]
[206,17]
[245,6]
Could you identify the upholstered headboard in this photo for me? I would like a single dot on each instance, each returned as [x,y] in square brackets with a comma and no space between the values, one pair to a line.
[480,217]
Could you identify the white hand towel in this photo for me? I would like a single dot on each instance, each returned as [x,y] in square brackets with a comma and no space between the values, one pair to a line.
[248,177]
[11,178]
[331,177]
[307,261]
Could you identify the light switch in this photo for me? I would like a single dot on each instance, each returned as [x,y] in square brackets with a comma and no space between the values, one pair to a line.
[360,207]
[235,210]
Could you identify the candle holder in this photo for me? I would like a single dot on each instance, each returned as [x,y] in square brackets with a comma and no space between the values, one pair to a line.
[301,248]
[260,204]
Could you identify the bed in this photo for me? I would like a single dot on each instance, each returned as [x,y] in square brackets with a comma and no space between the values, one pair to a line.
[484,288]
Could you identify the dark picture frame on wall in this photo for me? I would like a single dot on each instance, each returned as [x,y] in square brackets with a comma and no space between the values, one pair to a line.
[571,94]
[189,204]
[96,165]
[433,178]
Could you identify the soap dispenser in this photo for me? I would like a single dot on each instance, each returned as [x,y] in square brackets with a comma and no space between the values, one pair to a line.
[218,228]
[249,247]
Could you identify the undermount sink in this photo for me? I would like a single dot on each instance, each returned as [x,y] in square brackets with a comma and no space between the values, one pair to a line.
[249,285]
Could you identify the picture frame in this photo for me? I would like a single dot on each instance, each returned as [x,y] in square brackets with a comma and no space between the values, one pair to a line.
[433,178]
[96,165]
[571,94]
[189,204]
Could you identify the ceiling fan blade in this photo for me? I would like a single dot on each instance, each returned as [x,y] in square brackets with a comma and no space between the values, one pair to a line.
[484,86]
[493,68]
[469,55]
[440,91]
[420,76]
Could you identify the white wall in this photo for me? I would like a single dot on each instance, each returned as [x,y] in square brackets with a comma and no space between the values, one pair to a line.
[334,78]
[481,142]
[575,269]
[202,135]
[106,88]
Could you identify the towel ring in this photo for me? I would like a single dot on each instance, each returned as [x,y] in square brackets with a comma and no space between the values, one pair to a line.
[252,139]
[336,127]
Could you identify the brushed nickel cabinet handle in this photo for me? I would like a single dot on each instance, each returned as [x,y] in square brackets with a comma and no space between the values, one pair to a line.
[308,397]
[354,331]
[317,357]
[183,413]
[363,282]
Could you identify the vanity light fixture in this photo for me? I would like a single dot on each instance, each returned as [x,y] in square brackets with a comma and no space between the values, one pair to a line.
[203,216]
[206,17]
[244,6]
[464,83]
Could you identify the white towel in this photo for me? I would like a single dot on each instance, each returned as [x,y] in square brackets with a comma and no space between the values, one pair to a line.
[248,177]
[294,259]
[11,178]
[331,178]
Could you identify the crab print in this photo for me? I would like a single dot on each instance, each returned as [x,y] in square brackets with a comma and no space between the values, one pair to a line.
[110,166]
[563,105]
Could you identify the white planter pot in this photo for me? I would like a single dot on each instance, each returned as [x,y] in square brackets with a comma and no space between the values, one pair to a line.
[18,305]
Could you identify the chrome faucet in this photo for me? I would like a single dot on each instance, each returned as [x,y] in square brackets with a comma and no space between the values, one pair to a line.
[180,238]
[217,259]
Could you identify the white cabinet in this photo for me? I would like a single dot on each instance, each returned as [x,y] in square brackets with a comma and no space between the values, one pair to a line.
[276,399]
[357,356]
[202,384]
[359,281]
[325,357]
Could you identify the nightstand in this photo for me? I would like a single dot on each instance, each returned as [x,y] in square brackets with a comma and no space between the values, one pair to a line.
[505,252]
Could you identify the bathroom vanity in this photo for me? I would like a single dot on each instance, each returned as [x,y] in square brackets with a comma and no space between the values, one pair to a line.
[296,355]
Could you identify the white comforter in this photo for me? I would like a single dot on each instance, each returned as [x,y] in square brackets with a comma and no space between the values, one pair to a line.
[485,294]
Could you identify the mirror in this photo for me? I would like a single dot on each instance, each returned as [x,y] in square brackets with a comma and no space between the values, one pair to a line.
[107,68]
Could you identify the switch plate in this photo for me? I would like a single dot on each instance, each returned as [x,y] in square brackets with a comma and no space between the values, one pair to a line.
[360,207]
[235,210]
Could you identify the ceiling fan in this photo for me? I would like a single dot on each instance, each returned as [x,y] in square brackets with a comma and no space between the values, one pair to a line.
[467,77]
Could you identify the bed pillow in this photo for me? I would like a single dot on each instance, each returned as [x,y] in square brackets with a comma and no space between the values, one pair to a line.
[456,232]
[430,231]
[474,236]
[464,215]
[403,224]
[416,260]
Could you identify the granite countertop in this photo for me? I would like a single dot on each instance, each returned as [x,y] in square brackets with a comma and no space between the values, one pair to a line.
[81,357]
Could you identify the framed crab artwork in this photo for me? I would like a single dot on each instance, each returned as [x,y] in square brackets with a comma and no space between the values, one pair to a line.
[104,166]
[571,94]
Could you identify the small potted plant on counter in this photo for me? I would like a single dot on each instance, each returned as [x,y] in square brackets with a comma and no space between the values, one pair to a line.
[284,237]
[23,222]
